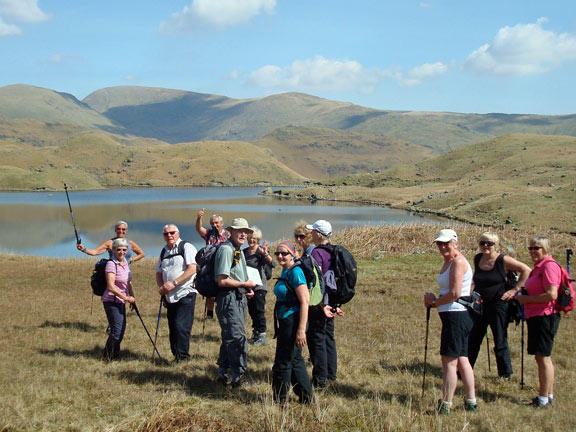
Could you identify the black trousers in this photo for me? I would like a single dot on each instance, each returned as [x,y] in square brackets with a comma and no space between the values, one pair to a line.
[322,347]
[495,315]
[180,319]
[257,311]
[289,368]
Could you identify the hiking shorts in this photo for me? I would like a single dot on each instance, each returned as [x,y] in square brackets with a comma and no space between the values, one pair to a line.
[456,327]
[541,332]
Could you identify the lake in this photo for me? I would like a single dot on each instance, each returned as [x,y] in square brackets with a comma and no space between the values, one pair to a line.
[39,223]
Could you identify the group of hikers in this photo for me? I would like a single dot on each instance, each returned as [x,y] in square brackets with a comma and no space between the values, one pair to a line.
[241,268]
[534,291]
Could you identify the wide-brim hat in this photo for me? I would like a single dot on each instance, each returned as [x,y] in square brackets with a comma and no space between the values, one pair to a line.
[446,235]
[240,224]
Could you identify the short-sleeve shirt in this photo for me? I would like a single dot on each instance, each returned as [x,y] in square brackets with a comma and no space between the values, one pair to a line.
[213,237]
[545,273]
[175,266]
[123,276]
[227,255]
[295,277]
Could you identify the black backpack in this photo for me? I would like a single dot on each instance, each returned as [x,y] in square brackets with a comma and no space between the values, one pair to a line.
[345,274]
[180,252]
[98,279]
[206,283]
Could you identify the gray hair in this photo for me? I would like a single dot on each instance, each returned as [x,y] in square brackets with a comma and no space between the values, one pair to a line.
[171,226]
[256,232]
[119,242]
[121,223]
[543,242]
[214,216]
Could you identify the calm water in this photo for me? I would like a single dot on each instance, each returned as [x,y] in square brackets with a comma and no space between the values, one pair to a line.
[39,223]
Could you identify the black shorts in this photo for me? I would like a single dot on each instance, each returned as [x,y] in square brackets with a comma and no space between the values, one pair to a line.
[456,327]
[541,332]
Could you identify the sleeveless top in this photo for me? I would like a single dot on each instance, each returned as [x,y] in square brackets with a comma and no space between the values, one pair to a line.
[491,284]
[443,281]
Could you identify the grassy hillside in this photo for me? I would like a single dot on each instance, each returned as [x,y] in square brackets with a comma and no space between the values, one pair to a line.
[518,180]
[24,101]
[53,379]
[96,160]
[324,153]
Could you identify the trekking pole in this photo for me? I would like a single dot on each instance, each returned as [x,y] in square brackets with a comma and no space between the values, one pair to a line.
[568,254]
[204,320]
[157,324]
[488,349]
[425,349]
[148,333]
[78,239]
[522,355]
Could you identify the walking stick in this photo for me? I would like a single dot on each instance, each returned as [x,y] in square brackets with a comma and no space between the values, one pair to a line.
[568,254]
[488,349]
[157,324]
[522,355]
[78,239]
[204,320]
[426,349]
[148,333]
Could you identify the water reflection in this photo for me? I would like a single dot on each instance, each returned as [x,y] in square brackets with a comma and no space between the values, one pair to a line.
[40,223]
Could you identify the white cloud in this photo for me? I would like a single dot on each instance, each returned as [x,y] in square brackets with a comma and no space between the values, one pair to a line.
[525,49]
[64,58]
[416,75]
[8,29]
[21,11]
[218,14]
[320,73]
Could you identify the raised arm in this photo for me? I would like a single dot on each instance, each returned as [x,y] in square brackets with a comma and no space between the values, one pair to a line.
[98,250]
[199,228]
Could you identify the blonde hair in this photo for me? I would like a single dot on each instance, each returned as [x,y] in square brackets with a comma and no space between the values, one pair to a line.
[491,237]
[543,242]
[256,232]
[300,228]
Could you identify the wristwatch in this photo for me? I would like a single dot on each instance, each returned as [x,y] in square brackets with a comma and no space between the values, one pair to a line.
[174,282]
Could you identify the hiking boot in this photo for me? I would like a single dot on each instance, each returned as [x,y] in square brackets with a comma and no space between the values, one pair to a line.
[504,378]
[550,401]
[259,340]
[238,382]
[223,379]
[536,403]
[470,406]
[443,408]
[210,315]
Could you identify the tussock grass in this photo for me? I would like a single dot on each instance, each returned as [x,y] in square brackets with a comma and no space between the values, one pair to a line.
[52,378]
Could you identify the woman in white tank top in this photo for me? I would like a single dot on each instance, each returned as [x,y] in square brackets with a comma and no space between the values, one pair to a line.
[454,281]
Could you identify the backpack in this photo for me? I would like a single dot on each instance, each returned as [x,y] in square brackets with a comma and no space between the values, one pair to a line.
[98,279]
[345,273]
[206,283]
[565,300]
[180,252]
[314,279]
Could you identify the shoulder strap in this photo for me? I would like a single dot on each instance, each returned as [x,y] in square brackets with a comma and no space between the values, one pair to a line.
[477,258]
[501,267]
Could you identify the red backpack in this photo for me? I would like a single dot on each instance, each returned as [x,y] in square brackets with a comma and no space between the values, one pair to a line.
[566,294]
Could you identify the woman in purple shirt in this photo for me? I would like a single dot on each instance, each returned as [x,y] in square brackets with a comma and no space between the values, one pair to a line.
[118,292]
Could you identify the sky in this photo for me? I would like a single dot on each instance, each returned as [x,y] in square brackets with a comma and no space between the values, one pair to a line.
[505,56]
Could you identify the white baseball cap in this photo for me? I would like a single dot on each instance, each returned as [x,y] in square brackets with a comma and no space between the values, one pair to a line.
[447,235]
[322,226]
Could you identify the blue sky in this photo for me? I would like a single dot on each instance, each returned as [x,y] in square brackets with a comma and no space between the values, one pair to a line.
[509,56]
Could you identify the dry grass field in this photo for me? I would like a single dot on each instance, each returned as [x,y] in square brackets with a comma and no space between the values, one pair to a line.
[52,378]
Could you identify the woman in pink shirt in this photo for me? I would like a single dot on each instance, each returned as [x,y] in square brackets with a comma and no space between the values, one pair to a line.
[541,291]
[118,292]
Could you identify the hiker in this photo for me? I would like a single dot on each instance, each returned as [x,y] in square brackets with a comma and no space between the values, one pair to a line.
[175,272]
[235,288]
[541,291]
[454,281]
[303,238]
[133,254]
[215,235]
[291,314]
[490,269]
[118,292]
[258,257]
[320,334]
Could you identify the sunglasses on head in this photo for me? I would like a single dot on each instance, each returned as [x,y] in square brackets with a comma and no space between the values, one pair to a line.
[534,248]
[486,243]
[282,253]
[167,233]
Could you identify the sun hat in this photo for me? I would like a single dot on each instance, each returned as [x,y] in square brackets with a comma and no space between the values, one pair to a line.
[446,235]
[322,226]
[240,224]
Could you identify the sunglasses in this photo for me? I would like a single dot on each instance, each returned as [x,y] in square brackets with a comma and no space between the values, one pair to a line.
[534,248]
[167,233]
[486,243]
[439,243]
[121,250]
[299,236]
[282,253]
